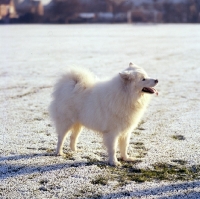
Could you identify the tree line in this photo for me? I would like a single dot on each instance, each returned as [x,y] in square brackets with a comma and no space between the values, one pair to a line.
[110,11]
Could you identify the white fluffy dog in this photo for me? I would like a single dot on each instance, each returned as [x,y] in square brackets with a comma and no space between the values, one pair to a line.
[112,107]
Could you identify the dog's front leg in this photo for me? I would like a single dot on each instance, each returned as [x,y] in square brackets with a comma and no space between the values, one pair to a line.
[123,146]
[110,141]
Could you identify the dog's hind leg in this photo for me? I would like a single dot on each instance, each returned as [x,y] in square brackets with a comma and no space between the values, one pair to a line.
[76,129]
[62,130]
[110,141]
[123,146]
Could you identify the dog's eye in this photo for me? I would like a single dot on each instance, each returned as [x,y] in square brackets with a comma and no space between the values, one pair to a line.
[143,79]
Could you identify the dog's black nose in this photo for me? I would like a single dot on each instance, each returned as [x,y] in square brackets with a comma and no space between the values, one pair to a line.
[156,81]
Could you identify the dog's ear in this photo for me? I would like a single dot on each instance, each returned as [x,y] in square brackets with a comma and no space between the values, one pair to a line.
[131,65]
[125,75]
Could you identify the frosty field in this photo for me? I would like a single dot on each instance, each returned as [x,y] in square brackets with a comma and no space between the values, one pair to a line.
[166,143]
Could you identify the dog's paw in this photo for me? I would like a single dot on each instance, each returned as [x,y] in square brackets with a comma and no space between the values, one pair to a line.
[60,153]
[73,148]
[129,159]
[115,163]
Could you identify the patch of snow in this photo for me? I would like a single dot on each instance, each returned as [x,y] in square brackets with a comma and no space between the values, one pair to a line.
[32,57]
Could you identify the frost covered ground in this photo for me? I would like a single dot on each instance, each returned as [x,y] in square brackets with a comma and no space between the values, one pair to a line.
[166,143]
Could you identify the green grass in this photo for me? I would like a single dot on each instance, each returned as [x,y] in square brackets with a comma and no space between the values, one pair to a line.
[128,172]
[136,132]
[138,143]
[48,150]
[141,150]
[141,123]
[91,161]
[68,156]
[141,147]
[102,180]
[141,129]
[38,118]
[178,137]
[181,162]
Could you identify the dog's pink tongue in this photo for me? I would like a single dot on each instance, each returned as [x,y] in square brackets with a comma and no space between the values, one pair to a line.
[155,91]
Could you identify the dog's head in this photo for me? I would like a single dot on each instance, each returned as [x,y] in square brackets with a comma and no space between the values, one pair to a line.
[136,78]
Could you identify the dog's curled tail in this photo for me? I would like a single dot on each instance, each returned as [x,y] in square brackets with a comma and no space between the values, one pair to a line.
[82,78]
[74,79]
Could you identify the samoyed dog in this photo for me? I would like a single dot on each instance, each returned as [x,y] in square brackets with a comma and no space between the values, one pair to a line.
[112,107]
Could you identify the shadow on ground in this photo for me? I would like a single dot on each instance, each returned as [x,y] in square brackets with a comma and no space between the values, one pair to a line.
[181,190]
[8,170]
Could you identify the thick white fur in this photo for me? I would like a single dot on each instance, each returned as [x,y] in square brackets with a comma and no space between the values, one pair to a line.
[112,107]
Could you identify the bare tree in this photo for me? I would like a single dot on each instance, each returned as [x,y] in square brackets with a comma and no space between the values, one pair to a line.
[62,10]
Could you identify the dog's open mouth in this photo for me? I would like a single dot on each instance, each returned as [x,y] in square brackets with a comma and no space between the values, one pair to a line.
[150,90]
